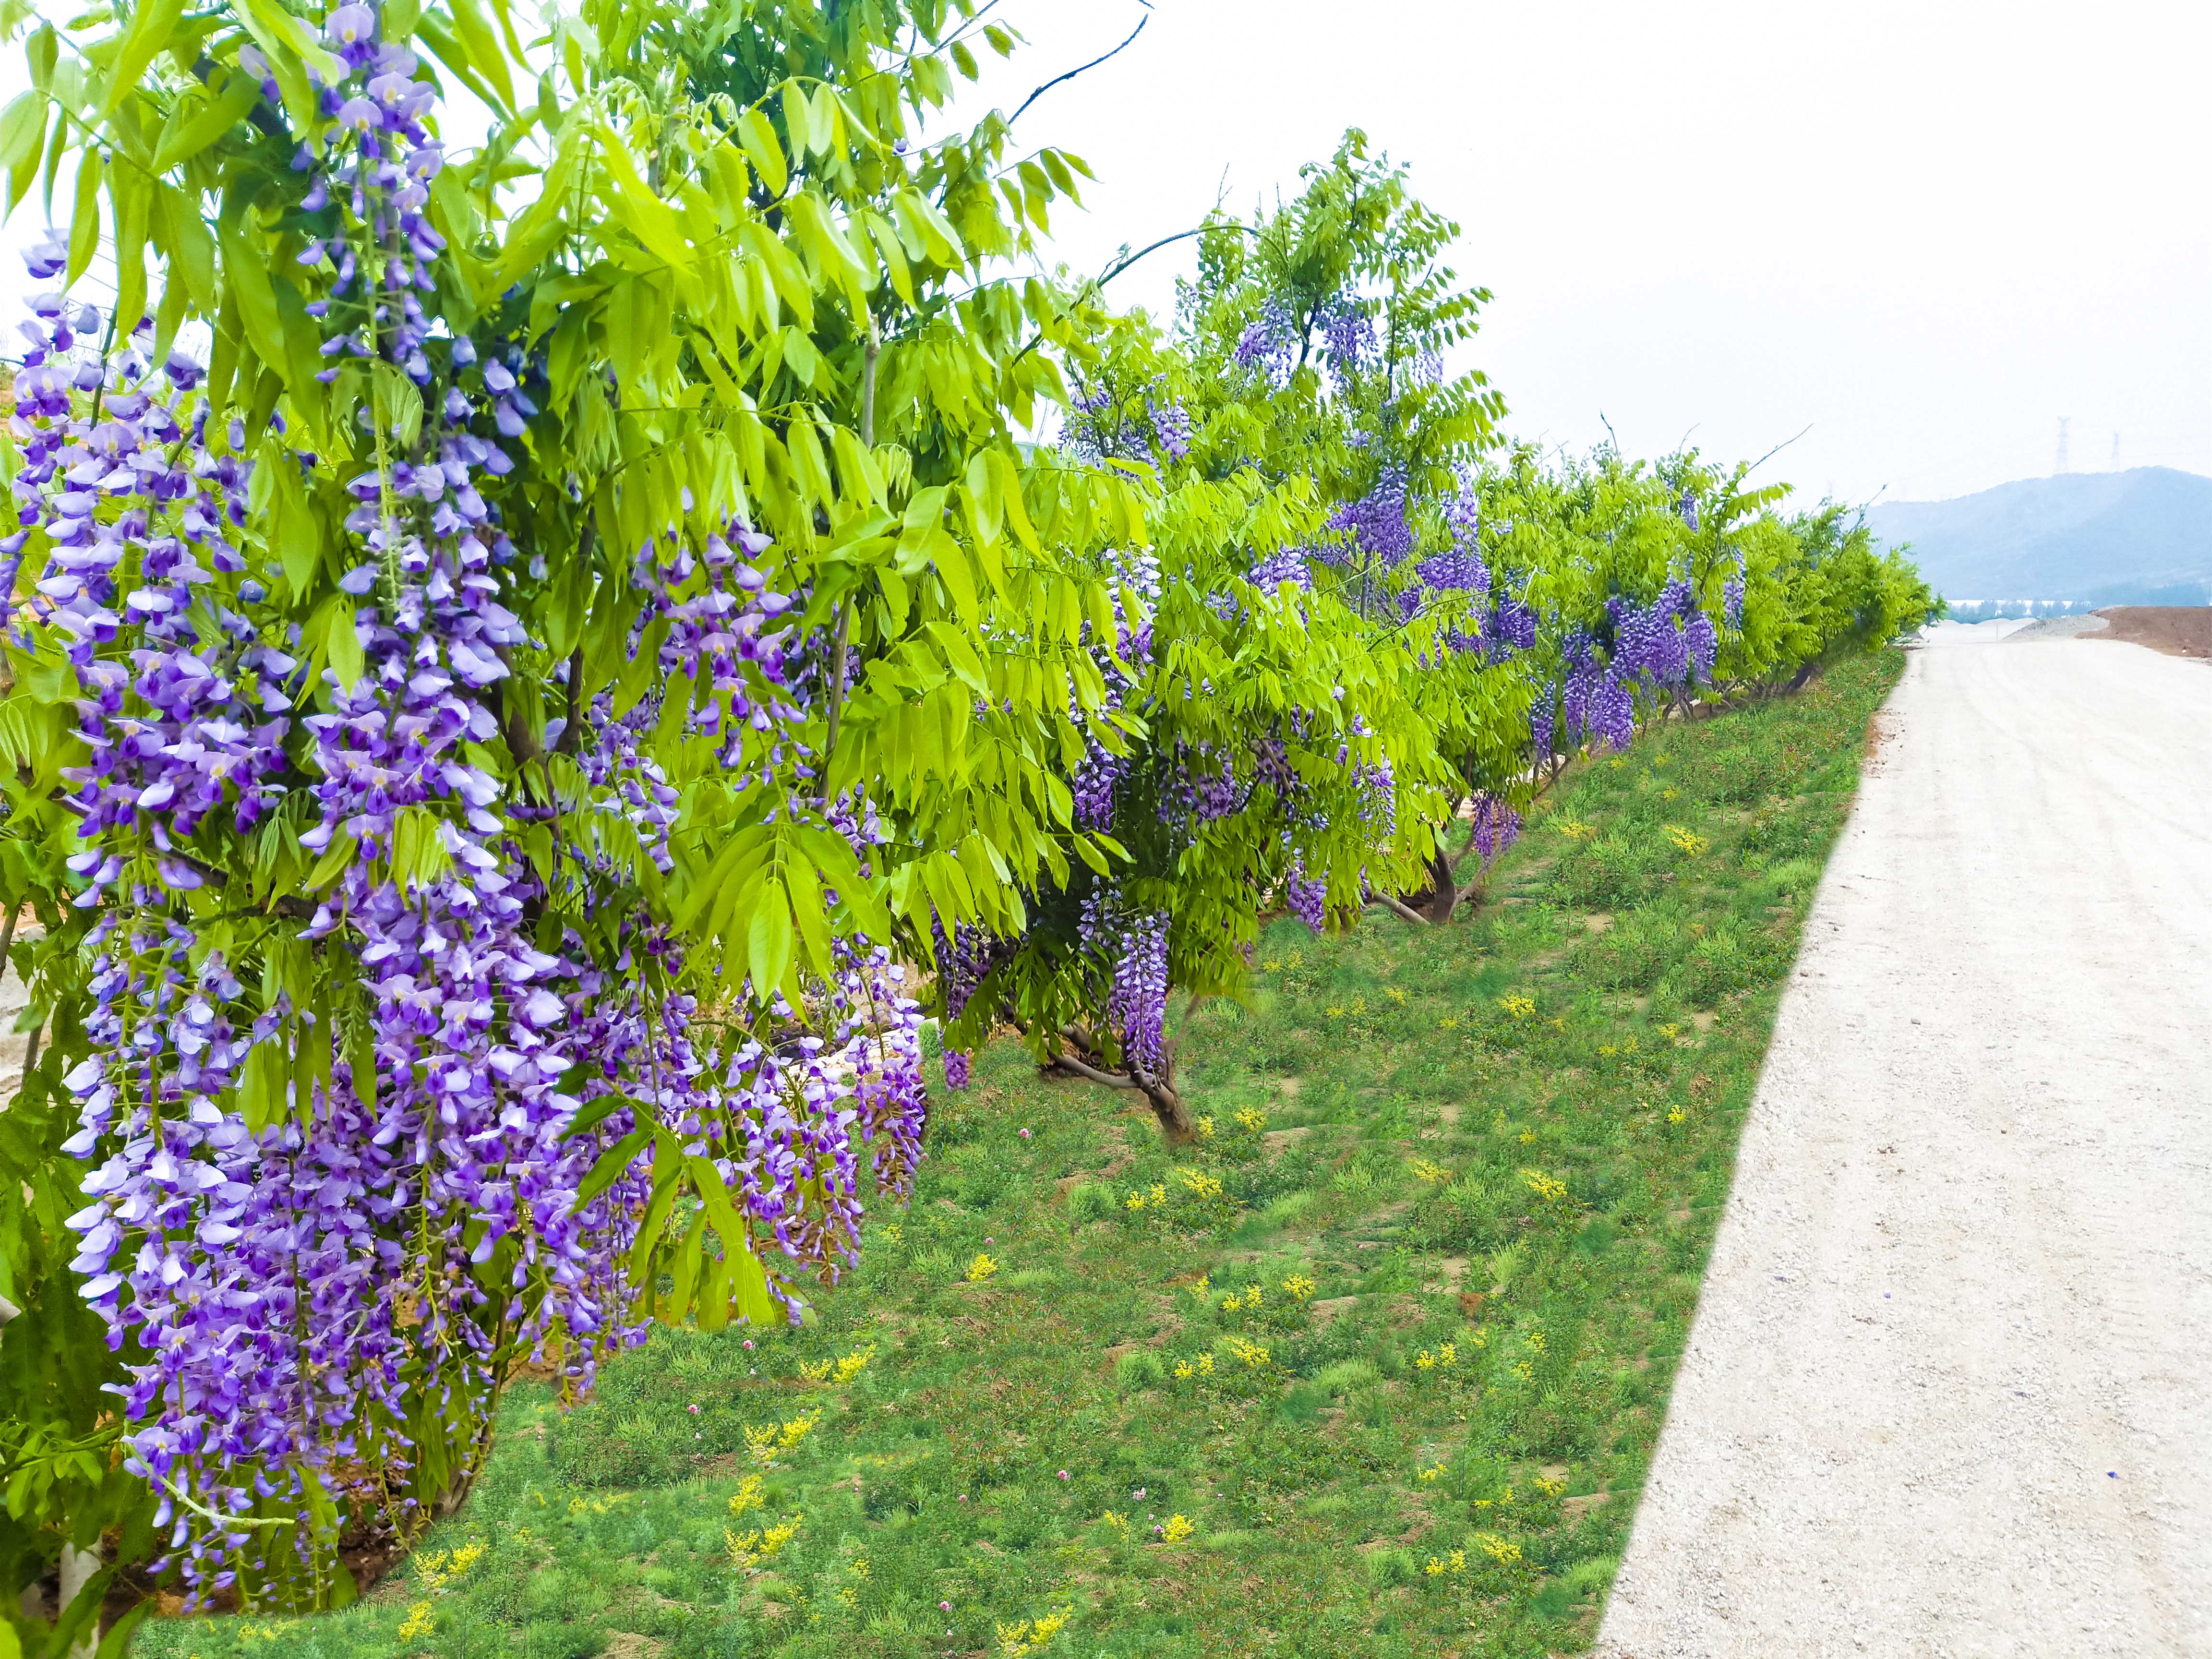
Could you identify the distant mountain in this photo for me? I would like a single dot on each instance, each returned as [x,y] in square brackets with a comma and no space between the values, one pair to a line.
[2143,536]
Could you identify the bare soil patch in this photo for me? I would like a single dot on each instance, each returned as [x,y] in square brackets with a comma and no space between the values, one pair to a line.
[2179,630]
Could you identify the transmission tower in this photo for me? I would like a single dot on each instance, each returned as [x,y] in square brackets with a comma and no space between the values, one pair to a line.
[2064,420]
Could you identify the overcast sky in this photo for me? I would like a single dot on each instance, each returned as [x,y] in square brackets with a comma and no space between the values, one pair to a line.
[1926,228]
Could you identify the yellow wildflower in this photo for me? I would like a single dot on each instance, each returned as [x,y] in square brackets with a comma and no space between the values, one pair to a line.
[1299,1287]
[1176,1529]
[1429,1169]
[1028,1635]
[748,1496]
[1519,1006]
[981,1268]
[418,1622]
[437,1569]
[1251,1118]
[1250,1352]
[765,1442]
[1688,840]
[1201,1186]
[1435,1473]
[749,1548]
[1550,1188]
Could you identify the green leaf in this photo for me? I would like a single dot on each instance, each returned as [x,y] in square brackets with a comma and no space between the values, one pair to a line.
[610,1164]
[757,134]
[340,856]
[151,25]
[342,641]
[84,216]
[798,118]
[482,48]
[237,93]
[245,279]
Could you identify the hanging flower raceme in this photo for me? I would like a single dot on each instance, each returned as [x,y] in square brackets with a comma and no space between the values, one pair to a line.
[1137,1006]
[319,1272]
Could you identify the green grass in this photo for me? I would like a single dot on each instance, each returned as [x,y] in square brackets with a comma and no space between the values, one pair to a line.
[1539,1109]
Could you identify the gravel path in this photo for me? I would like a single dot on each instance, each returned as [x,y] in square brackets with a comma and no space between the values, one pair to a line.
[1949,1387]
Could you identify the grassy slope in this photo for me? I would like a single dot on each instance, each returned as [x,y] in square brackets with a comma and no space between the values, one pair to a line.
[1460,1185]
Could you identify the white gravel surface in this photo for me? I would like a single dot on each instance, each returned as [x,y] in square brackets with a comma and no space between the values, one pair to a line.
[1949,1387]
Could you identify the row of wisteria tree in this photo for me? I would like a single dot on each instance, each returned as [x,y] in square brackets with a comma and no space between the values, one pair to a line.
[1370,639]
[517,651]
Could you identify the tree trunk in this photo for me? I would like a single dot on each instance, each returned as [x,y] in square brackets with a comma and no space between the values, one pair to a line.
[1443,889]
[77,1566]
[1167,1106]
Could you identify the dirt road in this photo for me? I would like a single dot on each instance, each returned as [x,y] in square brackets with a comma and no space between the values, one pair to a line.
[1949,1387]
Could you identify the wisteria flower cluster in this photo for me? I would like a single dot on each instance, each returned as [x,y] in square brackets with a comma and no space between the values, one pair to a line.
[337,1192]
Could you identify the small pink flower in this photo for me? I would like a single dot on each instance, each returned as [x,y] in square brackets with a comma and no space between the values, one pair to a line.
[748,1345]
[695,1411]
[944,1607]
[963,1496]
[1063,1474]
[1026,1134]
[990,1241]
[1139,1493]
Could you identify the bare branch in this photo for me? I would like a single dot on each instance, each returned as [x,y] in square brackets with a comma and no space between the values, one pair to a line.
[1126,260]
[1400,907]
[1772,453]
[1112,1080]
[1079,68]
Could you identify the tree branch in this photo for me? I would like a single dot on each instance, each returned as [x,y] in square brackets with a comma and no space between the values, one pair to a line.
[1403,909]
[1092,64]
[572,730]
[1773,452]
[1069,1063]
[1123,262]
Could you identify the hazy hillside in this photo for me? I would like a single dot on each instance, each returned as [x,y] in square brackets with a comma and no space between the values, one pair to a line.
[2138,537]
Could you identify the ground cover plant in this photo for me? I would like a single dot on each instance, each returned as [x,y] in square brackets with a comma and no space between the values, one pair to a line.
[1374,1366]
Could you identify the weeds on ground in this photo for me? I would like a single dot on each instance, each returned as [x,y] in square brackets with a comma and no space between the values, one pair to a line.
[1375,1369]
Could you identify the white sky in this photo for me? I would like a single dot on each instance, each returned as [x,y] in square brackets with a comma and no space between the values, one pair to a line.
[1927,227]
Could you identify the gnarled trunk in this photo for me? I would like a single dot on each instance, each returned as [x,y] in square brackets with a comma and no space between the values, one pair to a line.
[1167,1106]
